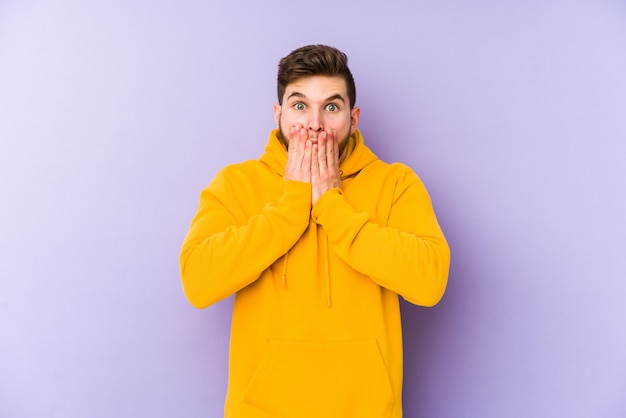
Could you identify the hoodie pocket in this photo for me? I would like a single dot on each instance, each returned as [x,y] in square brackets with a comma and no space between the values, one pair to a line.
[330,380]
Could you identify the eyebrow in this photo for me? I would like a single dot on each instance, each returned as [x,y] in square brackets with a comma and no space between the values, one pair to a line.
[330,99]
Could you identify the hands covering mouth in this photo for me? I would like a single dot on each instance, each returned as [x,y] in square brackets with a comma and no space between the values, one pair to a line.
[313,159]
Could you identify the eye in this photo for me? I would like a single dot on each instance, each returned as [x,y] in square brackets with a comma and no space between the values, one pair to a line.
[331,107]
[299,106]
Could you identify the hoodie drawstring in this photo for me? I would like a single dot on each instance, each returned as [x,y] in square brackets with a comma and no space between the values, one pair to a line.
[327,271]
[324,270]
[284,275]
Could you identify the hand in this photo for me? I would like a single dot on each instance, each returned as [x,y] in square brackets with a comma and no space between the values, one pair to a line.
[325,164]
[298,155]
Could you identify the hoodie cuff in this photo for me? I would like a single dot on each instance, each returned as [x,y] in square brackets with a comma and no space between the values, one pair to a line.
[298,189]
[325,203]
[332,210]
[296,197]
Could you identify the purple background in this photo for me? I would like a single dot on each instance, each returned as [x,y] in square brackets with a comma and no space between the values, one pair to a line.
[114,115]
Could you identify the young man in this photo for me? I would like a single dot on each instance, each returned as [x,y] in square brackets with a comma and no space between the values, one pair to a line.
[317,239]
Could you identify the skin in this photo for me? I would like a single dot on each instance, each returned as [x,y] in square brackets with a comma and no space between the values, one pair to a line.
[315,122]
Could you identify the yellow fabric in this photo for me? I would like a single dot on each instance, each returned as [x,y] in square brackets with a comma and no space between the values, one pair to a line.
[316,321]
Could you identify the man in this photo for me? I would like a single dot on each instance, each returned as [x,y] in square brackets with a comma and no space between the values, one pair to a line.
[317,239]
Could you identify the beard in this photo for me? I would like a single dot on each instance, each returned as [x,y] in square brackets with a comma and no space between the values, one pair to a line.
[343,142]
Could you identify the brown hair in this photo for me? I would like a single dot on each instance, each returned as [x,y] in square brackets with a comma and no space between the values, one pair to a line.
[314,60]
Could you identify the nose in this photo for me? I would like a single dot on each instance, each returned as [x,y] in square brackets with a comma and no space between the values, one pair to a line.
[315,123]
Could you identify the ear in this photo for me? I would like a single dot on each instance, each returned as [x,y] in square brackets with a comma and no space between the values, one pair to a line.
[355,114]
[277,111]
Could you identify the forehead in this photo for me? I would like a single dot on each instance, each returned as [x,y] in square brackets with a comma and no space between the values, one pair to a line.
[317,87]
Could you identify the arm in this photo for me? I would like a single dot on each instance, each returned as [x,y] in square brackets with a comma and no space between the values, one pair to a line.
[409,255]
[226,249]
[222,254]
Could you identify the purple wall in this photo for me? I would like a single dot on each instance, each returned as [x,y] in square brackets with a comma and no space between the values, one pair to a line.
[114,115]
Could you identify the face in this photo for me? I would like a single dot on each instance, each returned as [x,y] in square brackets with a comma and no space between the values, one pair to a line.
[317,103]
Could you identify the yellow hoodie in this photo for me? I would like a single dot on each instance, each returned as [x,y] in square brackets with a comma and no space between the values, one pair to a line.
[316,322]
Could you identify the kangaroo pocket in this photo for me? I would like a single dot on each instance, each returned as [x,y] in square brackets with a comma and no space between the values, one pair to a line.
[301,380]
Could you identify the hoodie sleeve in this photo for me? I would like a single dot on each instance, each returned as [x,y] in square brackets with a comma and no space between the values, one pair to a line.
[226,250]
[408,255]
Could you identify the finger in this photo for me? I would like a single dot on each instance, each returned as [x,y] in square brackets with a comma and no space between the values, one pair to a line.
[292,142]
[322,142]
[296,144]
[302,136]
[315,163]
[292,146]
[331,151]
[307,158]
[336,151]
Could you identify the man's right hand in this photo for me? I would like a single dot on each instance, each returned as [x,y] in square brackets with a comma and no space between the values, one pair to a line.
[298,155]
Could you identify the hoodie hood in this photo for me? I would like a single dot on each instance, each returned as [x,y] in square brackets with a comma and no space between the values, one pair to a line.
[358,155]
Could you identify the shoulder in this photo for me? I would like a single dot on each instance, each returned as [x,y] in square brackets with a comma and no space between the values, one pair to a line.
[391,171]
[242,170]
[237,176]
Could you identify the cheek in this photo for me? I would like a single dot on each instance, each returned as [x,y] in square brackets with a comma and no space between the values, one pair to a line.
[289,118]
[344,126]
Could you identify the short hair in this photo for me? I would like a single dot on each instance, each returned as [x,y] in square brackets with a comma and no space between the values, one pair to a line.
[313,60]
